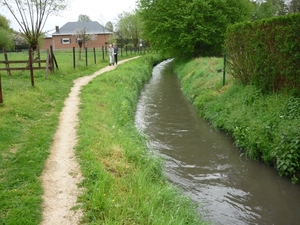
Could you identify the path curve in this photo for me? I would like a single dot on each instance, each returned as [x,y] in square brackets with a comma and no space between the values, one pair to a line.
[62,173]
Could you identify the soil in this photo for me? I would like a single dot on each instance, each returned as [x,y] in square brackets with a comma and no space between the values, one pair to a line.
[62,172]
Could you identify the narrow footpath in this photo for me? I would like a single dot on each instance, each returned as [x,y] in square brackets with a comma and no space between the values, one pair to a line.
[62,172]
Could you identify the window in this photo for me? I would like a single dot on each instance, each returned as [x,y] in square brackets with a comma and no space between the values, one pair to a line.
[66,41]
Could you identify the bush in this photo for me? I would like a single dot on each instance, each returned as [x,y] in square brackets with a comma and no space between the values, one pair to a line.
[265,53]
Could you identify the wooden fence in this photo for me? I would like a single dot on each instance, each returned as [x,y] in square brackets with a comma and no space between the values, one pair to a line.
[104,52]
[30,64]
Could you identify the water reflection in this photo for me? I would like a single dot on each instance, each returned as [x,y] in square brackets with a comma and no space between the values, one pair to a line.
[205,163]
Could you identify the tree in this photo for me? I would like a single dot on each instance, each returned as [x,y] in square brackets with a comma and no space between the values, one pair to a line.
[82,38]
[83,18]
[128,28]
[109,26]
[190,28]
[19,41]
[31,15]
[294,6]
[269,8]
[6,40]
[4,23]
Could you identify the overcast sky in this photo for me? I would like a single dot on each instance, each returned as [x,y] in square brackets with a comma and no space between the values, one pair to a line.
[98,10]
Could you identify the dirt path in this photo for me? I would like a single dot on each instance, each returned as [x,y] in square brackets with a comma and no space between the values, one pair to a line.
[62,172]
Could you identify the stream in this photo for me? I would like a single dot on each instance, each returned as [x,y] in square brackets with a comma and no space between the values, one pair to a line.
[205,163]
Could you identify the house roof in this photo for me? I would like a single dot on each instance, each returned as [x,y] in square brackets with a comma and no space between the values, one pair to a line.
[91,27]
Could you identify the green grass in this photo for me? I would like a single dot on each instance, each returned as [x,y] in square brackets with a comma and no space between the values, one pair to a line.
[266,127]
[29,118]
[124,183]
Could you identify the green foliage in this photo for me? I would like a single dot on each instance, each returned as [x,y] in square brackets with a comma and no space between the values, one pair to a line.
[269,8]
[266,53]
[288,155]
[4,23]
[109,26]
[6,40]
[265,126]
[128,28]
[83,18]
[192,27]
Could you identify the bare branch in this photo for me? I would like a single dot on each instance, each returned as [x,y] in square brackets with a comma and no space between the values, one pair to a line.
[31,15]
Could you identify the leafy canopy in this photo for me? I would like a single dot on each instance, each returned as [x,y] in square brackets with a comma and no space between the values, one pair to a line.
[128,28]
[83,18]
[6,40]
[190,28]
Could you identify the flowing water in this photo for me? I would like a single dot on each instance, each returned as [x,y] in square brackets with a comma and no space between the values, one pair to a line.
[206,165]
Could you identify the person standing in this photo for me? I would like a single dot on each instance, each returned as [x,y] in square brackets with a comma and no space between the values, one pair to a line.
[111,55]
[116,52]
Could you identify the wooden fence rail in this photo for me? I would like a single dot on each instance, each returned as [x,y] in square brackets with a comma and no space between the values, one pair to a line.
[9,62]
[29,63]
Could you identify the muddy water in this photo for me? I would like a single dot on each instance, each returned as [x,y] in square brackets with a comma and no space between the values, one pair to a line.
[205,164]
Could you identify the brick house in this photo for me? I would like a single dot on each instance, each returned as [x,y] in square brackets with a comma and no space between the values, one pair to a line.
[64,37]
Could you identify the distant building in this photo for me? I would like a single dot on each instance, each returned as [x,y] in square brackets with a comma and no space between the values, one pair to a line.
[64,37]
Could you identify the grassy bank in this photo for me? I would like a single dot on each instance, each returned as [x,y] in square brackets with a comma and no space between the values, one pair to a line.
[266,127]
[124,184]
[123,181]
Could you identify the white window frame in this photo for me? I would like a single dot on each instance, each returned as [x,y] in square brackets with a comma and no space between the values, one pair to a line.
[66,41]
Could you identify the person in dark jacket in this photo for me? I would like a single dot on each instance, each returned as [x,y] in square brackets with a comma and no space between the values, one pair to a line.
[116,52]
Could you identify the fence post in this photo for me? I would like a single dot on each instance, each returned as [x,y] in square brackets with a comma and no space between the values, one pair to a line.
[47,63]
[6,62]
[53,57]
[39,56]
[1,97]
[224,67]
[74,64]
[103,53]
[86,57]
[30,66]
[95,61]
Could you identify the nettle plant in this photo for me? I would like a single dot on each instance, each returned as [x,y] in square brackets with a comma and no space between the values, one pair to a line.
[288,156]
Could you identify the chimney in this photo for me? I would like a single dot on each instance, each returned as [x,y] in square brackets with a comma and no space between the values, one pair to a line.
[56,29]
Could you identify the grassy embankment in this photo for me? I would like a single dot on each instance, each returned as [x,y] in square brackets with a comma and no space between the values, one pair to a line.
[124,184]
[266,127]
